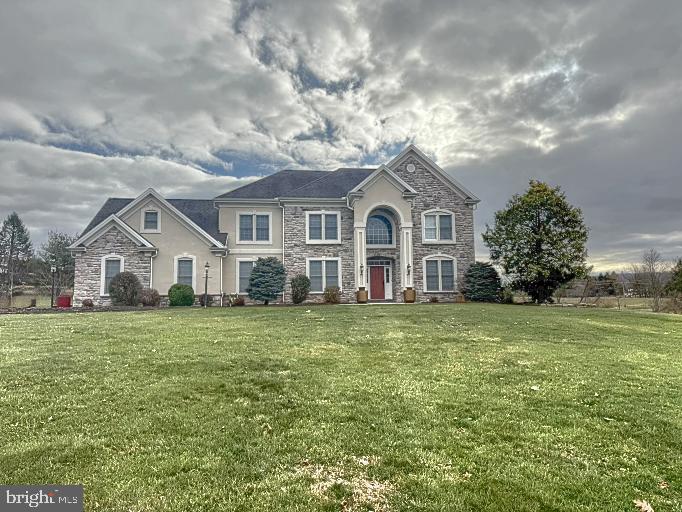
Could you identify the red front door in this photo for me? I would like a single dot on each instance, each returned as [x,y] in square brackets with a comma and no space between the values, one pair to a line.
[376,283]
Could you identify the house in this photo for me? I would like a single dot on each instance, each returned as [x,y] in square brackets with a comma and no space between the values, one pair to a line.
[405,224]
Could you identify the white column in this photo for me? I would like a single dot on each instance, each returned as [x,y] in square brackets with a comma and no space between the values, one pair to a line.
[360,256]
[406,257]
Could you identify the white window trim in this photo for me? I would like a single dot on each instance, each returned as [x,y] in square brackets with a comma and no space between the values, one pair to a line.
[439,257]
[143,211]
[437,241]
[324,271]
[102,291]
[394,234]
[236,273]
[194,268]
[336,240]
[253,226]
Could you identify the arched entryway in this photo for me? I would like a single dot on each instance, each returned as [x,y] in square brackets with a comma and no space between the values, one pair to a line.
[382,242]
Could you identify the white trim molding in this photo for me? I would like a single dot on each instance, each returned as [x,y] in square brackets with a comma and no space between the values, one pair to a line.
[189,223]
[439,258]
[143,215]
[102,227]
[102,275]
[185,256]
[437,241]
[323,214]
[253,241]
[324,271]
[236,273]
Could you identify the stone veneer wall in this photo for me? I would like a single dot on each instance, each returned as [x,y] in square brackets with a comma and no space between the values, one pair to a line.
[433,193]
[89,265]
[296,250]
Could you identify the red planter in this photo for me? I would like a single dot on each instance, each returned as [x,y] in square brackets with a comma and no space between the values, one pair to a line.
[64,301]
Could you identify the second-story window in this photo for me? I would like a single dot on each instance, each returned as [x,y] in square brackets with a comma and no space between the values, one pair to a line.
[254,227]
[322,227]
[438,226]
[150,221]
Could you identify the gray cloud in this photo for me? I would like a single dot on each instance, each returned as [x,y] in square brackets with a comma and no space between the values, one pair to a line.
[101,98]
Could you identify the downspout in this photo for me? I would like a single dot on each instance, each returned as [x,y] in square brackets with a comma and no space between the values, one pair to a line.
[222,261]
[281,205]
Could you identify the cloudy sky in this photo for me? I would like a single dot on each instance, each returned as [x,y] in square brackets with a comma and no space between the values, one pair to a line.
[101,98]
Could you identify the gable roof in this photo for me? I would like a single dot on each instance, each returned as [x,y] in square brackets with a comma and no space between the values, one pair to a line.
[104,225]
[388,174]
[447,178]
[200,211]
[276,185]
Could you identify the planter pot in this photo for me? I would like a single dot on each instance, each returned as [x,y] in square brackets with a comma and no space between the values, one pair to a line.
[409,295]
[361,296]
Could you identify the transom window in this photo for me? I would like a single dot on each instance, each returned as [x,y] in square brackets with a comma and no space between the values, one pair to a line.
[323,273]
[323,227]
[438,227]
[244,275]
[254,227]
[379,230]
[439,274]
[185,271]
[111,266]
[151,220]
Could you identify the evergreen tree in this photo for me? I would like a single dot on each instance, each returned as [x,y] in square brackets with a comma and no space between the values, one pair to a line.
[674,286]
[55,253]
[267,280]
[539,240]
[482,283]
[15,253]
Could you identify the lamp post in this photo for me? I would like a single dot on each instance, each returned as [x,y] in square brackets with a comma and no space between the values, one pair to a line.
[53,271]
[206,267]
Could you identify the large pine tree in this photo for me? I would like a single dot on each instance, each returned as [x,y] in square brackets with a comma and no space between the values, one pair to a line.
[15,252]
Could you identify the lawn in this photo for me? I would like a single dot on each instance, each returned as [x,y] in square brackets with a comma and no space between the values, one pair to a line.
[419,408]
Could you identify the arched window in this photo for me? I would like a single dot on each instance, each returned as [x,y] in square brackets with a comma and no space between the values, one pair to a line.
[379,230]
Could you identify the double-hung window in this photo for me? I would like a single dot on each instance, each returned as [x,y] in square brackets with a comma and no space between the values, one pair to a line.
[438,227]
[244,269]
[150,221]
[323,273]
[322,227]
[254,228]
[111,265]
[185,271]
[439,274]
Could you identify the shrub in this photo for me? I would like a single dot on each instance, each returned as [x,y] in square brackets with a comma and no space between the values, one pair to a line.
[209,300]
[300,287]
[332,295]
[150,297]
[124,289]
[433,299]
[482,283]
[180,295]
[507,295]
[267,279]
[88,303]
[239,301]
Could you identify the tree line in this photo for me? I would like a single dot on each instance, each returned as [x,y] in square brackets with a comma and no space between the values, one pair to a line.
[22,266]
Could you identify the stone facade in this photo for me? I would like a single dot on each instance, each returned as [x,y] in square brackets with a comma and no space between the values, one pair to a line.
[89,265]
[296,250]
[432,194]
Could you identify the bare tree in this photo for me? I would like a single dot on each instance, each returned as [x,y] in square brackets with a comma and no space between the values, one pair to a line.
[652,269]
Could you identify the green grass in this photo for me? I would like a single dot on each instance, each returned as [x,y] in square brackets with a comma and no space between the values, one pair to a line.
[425,407]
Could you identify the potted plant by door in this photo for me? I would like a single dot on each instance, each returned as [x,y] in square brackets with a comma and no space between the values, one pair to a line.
[361,295]
[409,295]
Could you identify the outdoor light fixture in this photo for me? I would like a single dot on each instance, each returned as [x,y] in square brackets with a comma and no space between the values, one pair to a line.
[409,269]
[53,271]
[362,270]
[206,267]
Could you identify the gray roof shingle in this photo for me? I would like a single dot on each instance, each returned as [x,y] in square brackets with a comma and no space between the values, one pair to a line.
[201,211]
[276,185]
[333,184]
